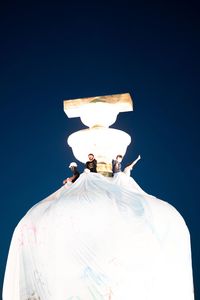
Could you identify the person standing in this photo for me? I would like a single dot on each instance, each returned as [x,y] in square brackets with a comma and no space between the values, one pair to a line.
[116,164]
[91,164]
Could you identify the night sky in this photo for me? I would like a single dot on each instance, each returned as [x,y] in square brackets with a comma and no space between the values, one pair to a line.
[56,51]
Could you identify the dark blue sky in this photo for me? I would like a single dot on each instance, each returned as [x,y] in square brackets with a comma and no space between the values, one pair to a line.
[55,51]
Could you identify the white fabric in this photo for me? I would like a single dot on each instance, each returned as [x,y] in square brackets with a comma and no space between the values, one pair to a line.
[127,171]
[100,239]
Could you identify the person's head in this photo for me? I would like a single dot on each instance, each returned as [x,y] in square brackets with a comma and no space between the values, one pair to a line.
[90,156]
[119,158]
[73,165]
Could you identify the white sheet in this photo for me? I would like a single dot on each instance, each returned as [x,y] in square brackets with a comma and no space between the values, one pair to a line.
[100,239]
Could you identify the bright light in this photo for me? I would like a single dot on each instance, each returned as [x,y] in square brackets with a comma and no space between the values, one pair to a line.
[104,143]
[99,114]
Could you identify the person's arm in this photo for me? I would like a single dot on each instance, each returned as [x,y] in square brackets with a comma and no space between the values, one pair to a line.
[72,178]
[95,165]
[134,162]
[65,181]
[75,176]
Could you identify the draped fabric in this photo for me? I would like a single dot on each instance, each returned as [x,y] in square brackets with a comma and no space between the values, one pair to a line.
[100,239]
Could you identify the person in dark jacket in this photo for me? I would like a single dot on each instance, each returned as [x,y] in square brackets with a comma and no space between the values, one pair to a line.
[116,164]
[75,172]
[91,164]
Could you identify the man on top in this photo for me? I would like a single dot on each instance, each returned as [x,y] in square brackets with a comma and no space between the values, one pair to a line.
[116,165]
[75,174]
[91,164]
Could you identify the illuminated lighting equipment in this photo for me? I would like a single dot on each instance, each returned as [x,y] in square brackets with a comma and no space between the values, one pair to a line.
[98,113]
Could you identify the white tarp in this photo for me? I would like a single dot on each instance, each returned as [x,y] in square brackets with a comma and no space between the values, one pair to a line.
[100,239]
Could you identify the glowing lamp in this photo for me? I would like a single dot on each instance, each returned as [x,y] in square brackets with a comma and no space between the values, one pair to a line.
[98,113]
[104,143]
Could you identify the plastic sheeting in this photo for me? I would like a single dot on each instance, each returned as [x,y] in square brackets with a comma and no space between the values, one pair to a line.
[100,239]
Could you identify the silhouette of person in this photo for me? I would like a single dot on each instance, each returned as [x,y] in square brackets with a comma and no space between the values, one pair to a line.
[91,164]
[116,164]
[75,172]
